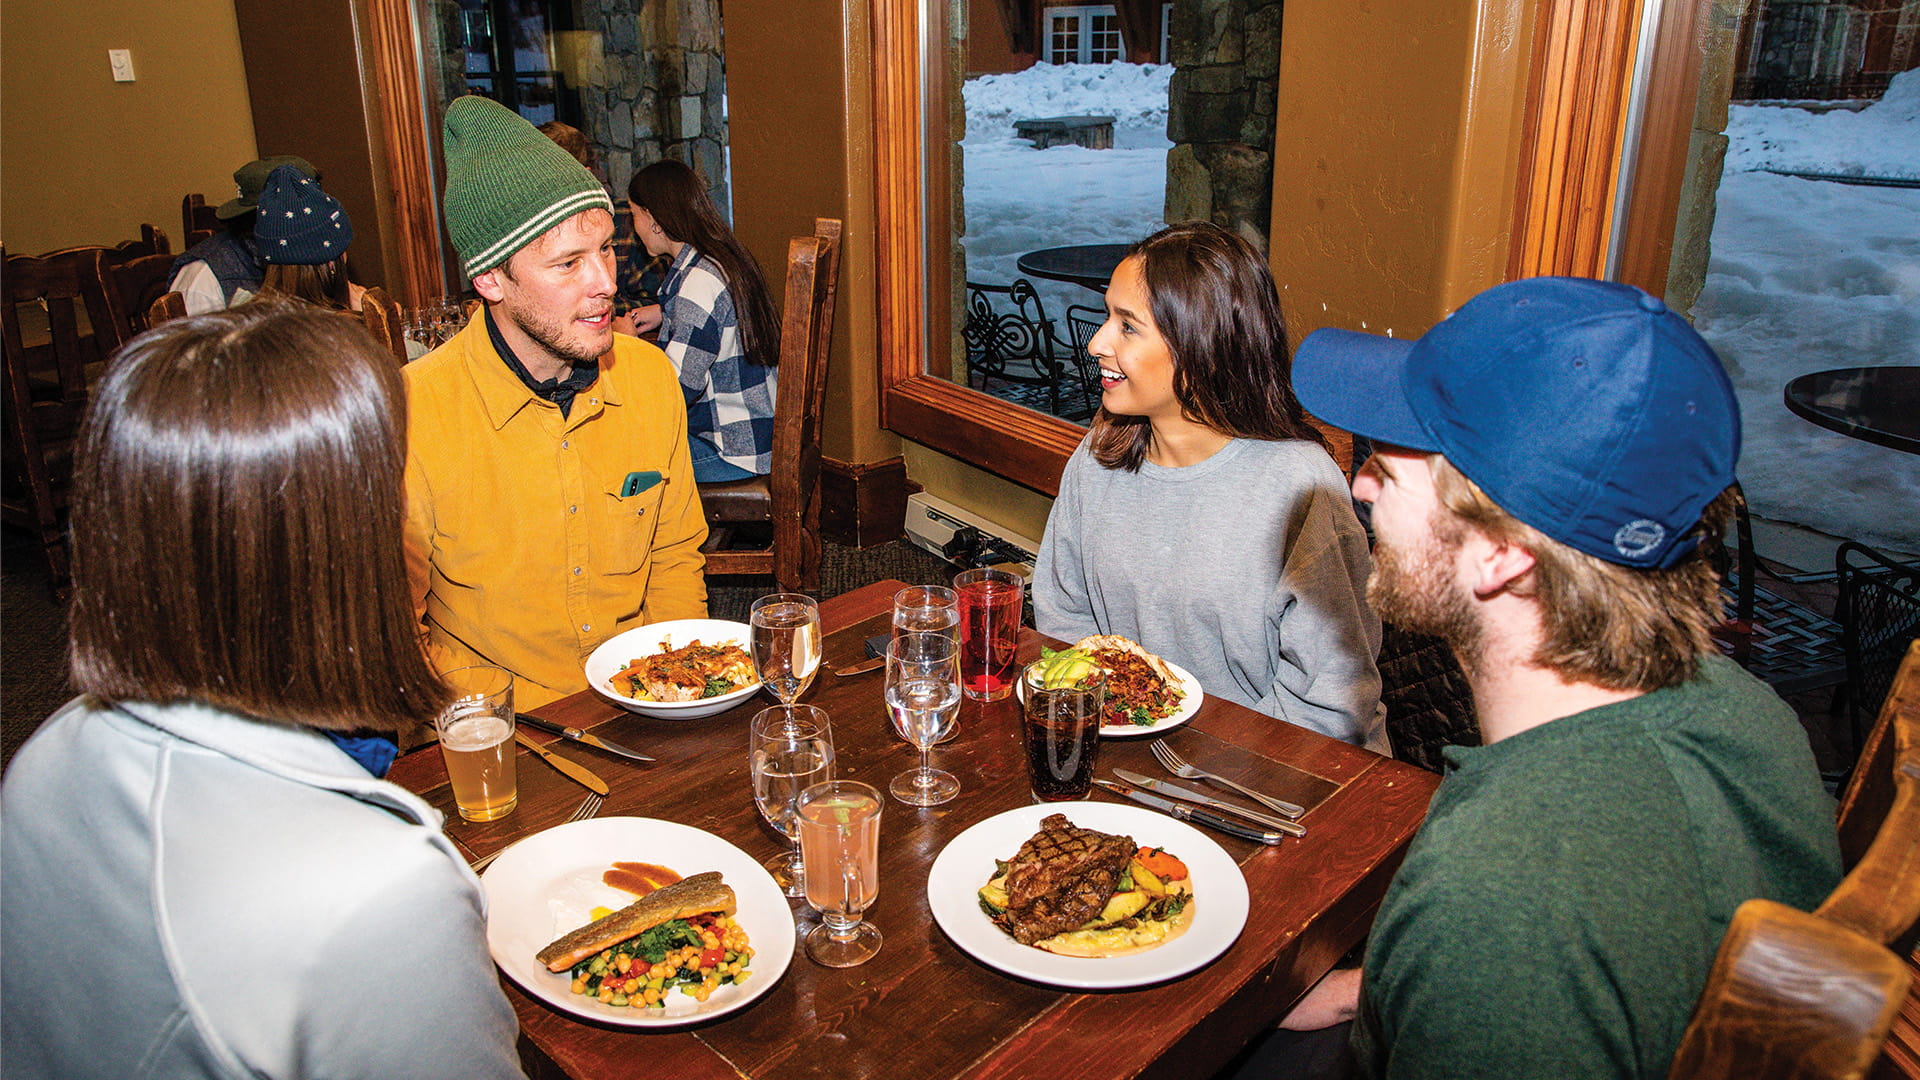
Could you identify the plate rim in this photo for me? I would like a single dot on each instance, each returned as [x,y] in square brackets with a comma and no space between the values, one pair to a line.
[771,957]
[699,709]
[1232,904]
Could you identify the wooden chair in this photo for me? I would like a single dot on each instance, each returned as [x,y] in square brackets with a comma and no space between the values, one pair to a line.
[137,285]
[1801,995]
[381,314]
[197,220]
[789,498]
[169,306]
[48,357]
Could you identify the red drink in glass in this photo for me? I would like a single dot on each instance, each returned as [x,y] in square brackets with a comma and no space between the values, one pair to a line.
[990,602]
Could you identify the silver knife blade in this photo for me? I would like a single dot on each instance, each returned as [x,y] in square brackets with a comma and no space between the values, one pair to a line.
[1175,791]
[569,768]
[582,737]
[1195,816]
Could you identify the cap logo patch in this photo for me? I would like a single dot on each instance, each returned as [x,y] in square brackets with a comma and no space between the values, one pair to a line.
[1636,538]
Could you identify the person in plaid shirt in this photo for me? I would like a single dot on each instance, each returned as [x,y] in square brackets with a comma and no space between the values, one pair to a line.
[718,324]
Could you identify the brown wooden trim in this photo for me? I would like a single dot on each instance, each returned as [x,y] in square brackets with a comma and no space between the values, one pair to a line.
[403,128]
[1019,444]
[864,504]
[1575,127]
[1665,144]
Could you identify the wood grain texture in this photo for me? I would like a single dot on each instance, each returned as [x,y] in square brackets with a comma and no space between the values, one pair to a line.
[1880,896]
[403,131]
[922,1008]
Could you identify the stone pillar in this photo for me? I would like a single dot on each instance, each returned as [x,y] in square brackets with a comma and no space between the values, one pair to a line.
[1220,113]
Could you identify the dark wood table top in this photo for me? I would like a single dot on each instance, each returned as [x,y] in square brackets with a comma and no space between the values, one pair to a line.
[923,1008]
[1091,265]
[1880,405]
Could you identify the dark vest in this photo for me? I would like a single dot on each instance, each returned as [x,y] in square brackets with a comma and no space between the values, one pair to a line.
[232,259]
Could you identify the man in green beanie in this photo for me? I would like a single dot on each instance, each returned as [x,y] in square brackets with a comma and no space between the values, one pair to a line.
[550,499]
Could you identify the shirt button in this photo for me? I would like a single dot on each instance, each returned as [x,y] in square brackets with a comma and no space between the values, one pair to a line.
[585,626]
[573,509]
[564,443]
[576,571]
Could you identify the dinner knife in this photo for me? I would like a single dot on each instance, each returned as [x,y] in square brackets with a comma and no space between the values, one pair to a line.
[1175,791]
[572,770]
[1196,816]
[582,737]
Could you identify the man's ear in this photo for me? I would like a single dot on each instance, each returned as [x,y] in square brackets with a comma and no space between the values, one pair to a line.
[488,286]
[1497,565]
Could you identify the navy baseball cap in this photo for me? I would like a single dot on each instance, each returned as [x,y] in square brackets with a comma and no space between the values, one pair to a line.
[1584,408]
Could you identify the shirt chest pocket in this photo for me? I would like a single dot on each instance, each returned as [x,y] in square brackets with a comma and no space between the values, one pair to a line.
[622,528]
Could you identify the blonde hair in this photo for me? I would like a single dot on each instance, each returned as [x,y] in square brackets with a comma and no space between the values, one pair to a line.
[1610,625]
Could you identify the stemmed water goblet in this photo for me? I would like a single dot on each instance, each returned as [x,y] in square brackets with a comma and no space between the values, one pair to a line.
[923,697]
[933,609]
[791,750]
[786,643]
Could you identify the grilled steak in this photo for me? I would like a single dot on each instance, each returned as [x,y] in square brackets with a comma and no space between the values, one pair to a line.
[1061,878]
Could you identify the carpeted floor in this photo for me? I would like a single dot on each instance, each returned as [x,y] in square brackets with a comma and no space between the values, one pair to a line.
[33,670]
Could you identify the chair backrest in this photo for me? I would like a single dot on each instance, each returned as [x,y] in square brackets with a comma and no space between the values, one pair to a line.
[381,314]
[137,284]
[996,336]
[60,288]
[806,335]
[197,220]
[169,306]
[1793,994]
[1879,613]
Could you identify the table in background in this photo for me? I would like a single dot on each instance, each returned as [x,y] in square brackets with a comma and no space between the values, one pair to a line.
[923,1008]
[1880,405]
[1091,265]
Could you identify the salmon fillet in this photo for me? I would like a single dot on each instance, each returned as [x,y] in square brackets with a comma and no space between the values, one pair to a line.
[700,894]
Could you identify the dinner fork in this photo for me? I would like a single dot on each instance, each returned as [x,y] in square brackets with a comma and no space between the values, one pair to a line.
[1178,766]
[588,807]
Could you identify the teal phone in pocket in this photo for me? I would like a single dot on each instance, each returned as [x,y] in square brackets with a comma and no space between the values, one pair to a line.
[637,482]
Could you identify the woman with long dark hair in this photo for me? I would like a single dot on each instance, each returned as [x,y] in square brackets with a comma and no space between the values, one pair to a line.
[205,874]
[718,323]
[1202,515]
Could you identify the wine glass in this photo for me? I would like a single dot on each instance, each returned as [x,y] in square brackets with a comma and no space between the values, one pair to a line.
[792,750]
[933,609]
[923,696]
[840,838]
[786,643]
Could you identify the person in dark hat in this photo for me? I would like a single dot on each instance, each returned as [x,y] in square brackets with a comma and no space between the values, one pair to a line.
[225,269]
[1552,464]
[302,235]
[551,500]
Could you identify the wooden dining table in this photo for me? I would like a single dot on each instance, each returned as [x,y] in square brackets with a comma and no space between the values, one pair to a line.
[923,1008]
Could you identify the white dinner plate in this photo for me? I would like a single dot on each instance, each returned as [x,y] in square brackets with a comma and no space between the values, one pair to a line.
[967,862]
[1190,702]
[549,883]
[622,649]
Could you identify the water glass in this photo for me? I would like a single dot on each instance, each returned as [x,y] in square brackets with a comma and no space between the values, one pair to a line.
[791,750]
[840,842]
[923,697]
[990,603]
[931,609]
[1060,731]
[786,643]
[476,739]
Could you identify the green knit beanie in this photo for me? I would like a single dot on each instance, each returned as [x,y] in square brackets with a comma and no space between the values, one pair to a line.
[507,183]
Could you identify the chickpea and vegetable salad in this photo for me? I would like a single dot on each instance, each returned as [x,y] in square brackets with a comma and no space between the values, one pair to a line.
[696,955]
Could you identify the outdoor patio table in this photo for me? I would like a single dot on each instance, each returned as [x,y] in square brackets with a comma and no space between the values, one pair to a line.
[1880,405]
[923,1008]
[1091,265]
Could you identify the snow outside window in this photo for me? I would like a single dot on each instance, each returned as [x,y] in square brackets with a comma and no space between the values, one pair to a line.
[1089,34]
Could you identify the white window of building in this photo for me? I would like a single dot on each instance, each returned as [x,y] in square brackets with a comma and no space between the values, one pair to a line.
[1088,34]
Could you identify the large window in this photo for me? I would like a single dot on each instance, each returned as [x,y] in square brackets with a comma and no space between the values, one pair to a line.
[1088,34]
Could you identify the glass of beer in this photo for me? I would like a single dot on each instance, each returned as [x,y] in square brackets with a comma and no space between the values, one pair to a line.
[840,840]
[1060,726]
[989,631]
[476,738]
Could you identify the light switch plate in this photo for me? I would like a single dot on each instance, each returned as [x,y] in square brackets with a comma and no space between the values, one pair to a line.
[121,60]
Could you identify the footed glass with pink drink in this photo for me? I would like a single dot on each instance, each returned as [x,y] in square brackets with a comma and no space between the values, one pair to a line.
[840,841]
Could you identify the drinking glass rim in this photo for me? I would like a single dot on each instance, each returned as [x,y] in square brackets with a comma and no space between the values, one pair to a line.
[931,592]
[825,787]
[988,573]
[781,598]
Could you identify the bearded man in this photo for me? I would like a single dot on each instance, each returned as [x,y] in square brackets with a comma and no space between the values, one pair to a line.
[550,499]
[1550,461]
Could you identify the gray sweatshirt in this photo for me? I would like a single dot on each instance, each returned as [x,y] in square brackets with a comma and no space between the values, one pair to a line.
[1248,569]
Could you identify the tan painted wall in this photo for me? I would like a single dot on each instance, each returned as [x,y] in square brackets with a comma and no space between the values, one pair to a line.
[1397,150]
[86,160]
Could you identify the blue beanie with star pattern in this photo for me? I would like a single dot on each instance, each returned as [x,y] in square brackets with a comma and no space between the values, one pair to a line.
[298,224]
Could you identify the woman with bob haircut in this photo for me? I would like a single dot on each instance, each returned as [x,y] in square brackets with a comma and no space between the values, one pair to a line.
[1202,516]
[204,874]
[718,323]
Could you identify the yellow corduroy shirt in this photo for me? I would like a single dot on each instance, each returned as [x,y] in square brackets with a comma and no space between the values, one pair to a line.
[521,551]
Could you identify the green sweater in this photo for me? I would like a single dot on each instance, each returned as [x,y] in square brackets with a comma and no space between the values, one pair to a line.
[1559,910]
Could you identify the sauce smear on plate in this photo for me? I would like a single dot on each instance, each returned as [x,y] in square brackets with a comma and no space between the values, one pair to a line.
[638,878]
